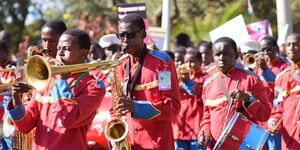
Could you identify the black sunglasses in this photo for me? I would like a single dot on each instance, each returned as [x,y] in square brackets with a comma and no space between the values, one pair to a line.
[128,35]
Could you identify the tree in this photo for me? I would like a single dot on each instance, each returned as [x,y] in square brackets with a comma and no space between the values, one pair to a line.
[12,17]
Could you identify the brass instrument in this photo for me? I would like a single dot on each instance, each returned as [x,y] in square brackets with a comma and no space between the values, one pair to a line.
[20,141]
[30,52]
[116,130]
[250,60]
[184,71]
[38,71]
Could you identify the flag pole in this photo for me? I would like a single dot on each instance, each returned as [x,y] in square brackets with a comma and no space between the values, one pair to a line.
[166,23]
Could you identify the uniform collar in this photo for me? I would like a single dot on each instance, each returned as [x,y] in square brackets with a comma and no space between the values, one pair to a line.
[229,72]
[274,61]
[295,66]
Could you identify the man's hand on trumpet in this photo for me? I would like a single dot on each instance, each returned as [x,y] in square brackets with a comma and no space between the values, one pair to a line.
[58,62]
[124,106]
[17,91]
[183,75]
[261,62]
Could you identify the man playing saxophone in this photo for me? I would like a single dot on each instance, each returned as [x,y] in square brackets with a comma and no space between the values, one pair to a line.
[150,86]
[62,113]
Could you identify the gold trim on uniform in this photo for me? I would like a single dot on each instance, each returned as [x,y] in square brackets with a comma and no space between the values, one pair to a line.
[215,102]
[146,86]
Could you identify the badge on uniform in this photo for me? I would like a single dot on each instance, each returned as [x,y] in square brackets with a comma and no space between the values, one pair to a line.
[164,80]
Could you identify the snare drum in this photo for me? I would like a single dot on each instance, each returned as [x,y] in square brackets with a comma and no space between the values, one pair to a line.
[242,134]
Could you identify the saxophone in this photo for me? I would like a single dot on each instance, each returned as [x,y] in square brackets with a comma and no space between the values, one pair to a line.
[116,130]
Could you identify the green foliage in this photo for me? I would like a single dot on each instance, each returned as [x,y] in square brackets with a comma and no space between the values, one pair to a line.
[12,17]
[196,17]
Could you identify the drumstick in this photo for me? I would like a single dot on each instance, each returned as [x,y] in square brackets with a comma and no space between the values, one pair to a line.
[230,105]
[277,125]
[279,122]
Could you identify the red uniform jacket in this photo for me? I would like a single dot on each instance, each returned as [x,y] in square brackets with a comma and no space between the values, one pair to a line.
[268,77]
[5,77]
[216,104]
[61,114]
[153,108]
[186,125]
[287,92]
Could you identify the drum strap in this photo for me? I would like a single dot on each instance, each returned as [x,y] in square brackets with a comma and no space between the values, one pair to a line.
[295,75]
[224,90]
[230,100]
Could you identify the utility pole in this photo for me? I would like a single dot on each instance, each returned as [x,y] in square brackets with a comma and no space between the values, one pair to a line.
[166,22]
[284,18]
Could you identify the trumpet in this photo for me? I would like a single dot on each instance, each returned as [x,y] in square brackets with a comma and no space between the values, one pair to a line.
[185,70]
[250,60]
[38,71]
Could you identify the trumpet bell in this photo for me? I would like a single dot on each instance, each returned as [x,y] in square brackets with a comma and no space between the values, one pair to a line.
[37,72]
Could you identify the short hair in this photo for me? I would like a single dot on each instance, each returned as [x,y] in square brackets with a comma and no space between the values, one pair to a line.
[96,44]
[182,39]
[206,44]
[56,25]
[195,53]
[171,54]
[272,40]
[180,50]
[228,40]
[82,38]
[4,46]
[134,19]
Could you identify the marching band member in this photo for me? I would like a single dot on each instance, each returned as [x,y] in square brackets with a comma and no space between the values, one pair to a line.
[96,53]
[151,87]
[179,56]
[186,124]
[6,77]
[268,69]
[205,48]
[268,46]
[287,93]
[50,34]
[6,62]
[242,86]
[64,110]
[111,44]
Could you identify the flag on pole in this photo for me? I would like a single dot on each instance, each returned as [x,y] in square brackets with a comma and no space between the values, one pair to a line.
[250,8]
[259,29]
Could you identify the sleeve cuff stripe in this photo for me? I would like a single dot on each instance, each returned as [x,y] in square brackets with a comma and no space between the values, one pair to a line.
[18,113]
